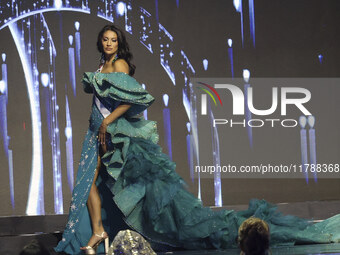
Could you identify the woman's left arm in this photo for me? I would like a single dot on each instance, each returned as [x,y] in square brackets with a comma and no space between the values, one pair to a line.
[120,110]
[119,65]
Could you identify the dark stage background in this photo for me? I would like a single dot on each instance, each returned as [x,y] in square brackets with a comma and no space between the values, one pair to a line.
[44,112]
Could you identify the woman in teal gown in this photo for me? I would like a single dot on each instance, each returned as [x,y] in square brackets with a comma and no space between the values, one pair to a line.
[139,187]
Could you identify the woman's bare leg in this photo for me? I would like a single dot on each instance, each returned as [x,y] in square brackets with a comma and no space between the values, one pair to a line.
[94,206]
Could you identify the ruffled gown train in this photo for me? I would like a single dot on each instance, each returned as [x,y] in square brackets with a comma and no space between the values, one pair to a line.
[141,190]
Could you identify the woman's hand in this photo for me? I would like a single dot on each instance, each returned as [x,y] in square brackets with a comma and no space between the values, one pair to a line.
[119,111]
[102,132]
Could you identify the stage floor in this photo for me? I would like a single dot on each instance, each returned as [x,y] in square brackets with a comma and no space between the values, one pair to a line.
[283,250]
[13,245]
[17,231]
[291,250]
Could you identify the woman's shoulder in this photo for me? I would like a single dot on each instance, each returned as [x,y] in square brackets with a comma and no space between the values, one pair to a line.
[120,65]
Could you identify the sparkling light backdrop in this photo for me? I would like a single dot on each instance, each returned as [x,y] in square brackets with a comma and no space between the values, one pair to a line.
[52,98]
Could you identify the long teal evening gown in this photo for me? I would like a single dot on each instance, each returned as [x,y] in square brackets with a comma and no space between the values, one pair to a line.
[141,190]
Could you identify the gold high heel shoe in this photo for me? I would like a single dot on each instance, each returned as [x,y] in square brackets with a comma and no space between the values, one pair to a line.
[92,250]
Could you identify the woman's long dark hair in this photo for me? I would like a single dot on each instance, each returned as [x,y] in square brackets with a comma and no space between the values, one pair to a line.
[123,46]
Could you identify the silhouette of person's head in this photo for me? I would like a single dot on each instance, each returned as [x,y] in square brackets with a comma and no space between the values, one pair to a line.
[34,248]
[253,237]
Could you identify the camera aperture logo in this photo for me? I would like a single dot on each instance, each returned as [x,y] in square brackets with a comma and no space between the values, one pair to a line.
[209,93]
[243,104]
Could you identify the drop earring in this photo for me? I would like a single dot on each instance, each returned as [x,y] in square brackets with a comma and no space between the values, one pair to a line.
[102,59]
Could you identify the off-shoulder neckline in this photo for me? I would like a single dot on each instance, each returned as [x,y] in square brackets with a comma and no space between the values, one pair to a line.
[101,68]
[113,72]
[118,73]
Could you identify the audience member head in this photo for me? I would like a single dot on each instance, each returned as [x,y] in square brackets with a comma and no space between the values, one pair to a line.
[34,248]
[253,237]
